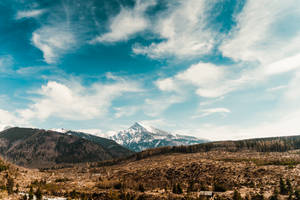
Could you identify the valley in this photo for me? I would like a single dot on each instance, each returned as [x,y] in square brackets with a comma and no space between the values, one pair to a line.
[250,173]
[264,168]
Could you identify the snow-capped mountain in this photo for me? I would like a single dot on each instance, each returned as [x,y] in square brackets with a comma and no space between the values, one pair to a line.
[140,137]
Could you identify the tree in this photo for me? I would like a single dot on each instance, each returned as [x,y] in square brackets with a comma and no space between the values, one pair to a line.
[289,186]
[283,188]
[38,194]
[141,188]
[17,188]
[219,187]
[73,194]
[297,195]
[10,185]
[236,195]
[275,195]
[30,193]
[177,189]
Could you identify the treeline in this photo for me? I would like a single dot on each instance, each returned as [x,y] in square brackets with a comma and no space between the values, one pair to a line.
[274,144]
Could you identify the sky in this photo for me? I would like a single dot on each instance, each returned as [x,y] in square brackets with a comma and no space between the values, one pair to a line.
[215,69]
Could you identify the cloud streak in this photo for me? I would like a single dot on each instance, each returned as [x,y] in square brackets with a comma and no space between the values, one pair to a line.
[127,23]
[29,14]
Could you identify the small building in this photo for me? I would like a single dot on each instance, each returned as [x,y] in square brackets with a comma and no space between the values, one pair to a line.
[206,194]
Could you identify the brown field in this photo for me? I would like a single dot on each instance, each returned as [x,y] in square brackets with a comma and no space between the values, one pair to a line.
[250,173]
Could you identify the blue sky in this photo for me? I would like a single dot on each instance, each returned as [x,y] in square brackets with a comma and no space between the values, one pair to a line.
[216,69]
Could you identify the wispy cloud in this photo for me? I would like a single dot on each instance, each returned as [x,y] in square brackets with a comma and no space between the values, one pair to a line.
[6,64]
[54,41]
[29,13]
[183,30]
[127,23]
[211,111]
[261,32]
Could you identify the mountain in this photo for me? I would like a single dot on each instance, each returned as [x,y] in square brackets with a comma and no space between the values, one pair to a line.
[140,137]
[43,148]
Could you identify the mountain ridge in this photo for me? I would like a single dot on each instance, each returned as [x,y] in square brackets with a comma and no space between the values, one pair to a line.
[139,137]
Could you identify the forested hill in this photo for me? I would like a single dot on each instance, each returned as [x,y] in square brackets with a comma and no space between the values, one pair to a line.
[272,144]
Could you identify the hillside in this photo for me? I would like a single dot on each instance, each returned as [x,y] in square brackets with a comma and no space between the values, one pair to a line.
[41,148]
[272,144]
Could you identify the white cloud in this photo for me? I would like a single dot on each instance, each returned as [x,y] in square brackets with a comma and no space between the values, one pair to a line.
[54,41]
[29,13]
[96,132]
[6,119]
[156,123]
[183,30]
[211,111]
[291,95]
[277,88]
[154,107]
[210,81]
[75,102]
[284,125]
[127,23]
[167,84]
[266,31]
[284,65]
[125,111]
[6,63]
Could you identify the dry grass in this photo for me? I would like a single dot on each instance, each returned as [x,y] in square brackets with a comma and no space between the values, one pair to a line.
[248,172]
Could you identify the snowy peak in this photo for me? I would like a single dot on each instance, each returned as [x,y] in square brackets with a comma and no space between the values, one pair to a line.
[139,137]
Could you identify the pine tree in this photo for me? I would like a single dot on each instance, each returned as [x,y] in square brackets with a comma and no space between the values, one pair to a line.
[297,195]
[236,195]
[141,188]
[289,186]
[179,189]
[10,185]
[38,194]
[275,195]
[30,193]
[283,188]
[17,190]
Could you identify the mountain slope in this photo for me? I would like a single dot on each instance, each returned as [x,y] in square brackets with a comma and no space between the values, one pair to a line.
[140,137]
[115,150]
[40,148]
